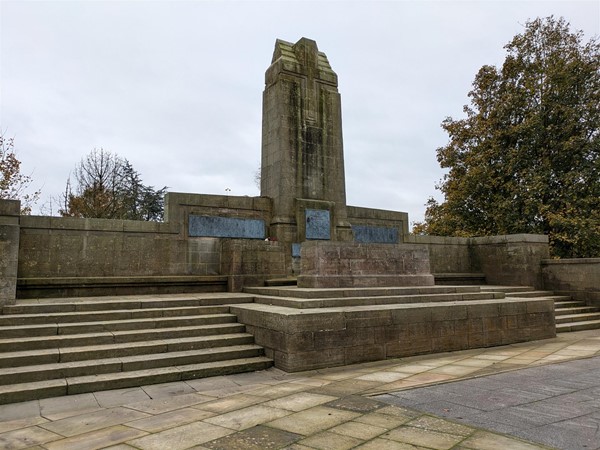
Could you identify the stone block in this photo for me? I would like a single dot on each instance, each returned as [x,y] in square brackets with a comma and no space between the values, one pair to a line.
[360,319]
[480,309]
[364,353]
[494,324]
[408,348]
[301,361]
[448,312]
[411,315]
[343,338]
[449,343]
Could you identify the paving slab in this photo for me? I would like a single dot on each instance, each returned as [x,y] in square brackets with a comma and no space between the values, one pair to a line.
[169,419]
[164,404]
[26,437]
[300,401]
[331,441]
[91,422]
[343,407]
[181,437]
[313,420]
[96,439]
[258,437]
[248,417]
[51,407]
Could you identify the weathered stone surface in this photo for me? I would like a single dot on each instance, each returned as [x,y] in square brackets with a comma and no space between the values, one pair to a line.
[9,249]
[579,278]
[302,150]
[251,262]
[310,339]
[348,264]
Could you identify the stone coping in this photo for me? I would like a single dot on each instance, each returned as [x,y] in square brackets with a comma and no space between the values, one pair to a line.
[550,262]
[97,286]
[301,303]
[130,280]
[313,293]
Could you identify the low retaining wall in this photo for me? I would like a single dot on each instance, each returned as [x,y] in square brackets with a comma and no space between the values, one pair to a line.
[579,278]
[508,260]
[100,286]
[300,340]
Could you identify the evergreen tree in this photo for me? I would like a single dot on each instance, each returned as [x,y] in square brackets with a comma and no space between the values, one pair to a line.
[526,159]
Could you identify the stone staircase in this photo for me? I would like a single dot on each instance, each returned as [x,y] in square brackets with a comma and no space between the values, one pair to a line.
[53,347]
[571,315]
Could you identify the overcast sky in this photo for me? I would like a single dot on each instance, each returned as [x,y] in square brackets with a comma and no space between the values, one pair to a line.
[176,87]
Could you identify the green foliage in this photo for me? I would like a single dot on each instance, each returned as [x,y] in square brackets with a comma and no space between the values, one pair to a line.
[526,159]
[108,187]
[13,183]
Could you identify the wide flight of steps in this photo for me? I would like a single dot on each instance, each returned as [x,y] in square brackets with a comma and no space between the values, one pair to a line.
[570,315]
[57,347]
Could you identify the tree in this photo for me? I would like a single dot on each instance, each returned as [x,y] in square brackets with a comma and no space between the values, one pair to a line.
[526,159]
[13,184]
[108,187]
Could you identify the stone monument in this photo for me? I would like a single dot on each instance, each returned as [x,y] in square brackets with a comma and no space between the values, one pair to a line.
[302,167]
[302,171]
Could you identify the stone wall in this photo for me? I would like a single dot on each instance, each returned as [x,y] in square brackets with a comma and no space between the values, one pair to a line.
[513,260]
[579,278]
[9,249]
[446,254]
[251,262]
[73,255]
[73,247]
[509,259]
[378,218]
[300,340]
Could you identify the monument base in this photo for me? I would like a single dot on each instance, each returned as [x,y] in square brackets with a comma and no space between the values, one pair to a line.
[349,264]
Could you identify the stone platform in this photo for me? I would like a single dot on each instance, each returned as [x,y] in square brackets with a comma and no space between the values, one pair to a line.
[303,329]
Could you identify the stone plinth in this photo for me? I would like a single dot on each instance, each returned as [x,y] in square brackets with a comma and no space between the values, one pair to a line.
[307,339]
[348,264]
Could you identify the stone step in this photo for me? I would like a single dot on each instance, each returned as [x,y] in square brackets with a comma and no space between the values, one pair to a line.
[315,293]
[62,305]
[26,343]
[89,383]
[568,304]
[290,281]
[505,289]
[459,279]
[114,350]
[379,300]
[530,294]
[574,310]
[583,317]
[115,325]
[102,316]
[42,372]
[578,326]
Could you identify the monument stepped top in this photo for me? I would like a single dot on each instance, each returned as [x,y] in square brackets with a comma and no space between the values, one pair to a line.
[303,57]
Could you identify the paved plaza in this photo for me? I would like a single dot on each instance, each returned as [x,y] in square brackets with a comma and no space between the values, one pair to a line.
[520,396]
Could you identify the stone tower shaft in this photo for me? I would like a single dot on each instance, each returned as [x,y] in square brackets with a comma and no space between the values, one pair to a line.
[302,163]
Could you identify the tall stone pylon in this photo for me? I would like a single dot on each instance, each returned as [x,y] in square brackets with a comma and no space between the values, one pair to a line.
[302,167]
